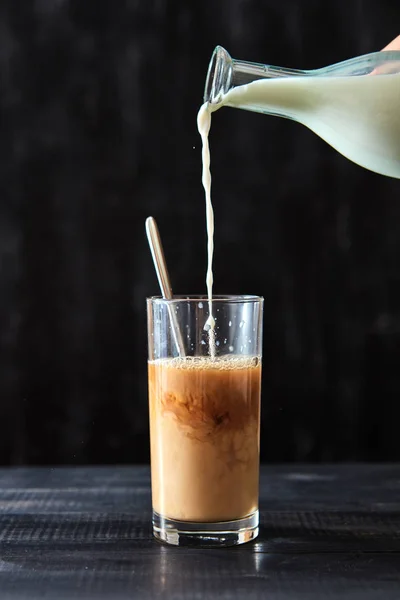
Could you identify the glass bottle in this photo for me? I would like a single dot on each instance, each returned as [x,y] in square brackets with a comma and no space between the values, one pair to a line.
[353,105]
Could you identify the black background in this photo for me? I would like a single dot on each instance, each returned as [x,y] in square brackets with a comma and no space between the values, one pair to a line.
[98,104]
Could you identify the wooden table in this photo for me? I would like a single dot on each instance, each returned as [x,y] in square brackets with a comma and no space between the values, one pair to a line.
[327,532]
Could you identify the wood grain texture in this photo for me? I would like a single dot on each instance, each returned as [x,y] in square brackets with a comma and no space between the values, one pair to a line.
[326,532]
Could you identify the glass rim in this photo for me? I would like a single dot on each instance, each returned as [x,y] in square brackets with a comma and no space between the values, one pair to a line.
[191,298]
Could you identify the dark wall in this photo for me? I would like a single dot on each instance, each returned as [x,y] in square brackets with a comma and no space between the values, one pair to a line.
[98,104]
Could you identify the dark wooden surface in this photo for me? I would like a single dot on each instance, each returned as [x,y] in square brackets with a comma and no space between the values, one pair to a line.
[327,532]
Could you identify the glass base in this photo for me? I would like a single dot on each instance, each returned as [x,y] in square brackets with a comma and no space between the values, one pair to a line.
[202,535]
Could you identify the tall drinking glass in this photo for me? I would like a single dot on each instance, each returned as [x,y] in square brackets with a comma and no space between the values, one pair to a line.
[204,405]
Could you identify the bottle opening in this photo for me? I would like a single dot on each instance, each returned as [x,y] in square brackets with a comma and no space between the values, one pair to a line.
[219,76]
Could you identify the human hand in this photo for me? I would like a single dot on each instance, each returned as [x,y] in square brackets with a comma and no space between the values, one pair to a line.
[394,45]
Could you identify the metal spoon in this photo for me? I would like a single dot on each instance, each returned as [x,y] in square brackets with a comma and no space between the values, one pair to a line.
[157,253]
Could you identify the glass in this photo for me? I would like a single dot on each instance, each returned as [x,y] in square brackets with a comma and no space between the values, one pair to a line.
[225,73]
[352,105]
[205,419]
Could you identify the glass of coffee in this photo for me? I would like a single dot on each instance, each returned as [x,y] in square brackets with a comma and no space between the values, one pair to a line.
[204,405]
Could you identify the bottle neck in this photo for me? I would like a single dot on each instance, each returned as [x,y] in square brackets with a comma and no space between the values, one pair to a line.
[245,72]
[224,73]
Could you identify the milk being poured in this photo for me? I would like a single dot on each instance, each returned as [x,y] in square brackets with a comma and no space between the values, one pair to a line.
[358,116]
[204,124]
